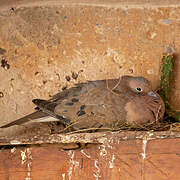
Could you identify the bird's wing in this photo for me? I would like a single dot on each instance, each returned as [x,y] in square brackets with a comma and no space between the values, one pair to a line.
[88,105]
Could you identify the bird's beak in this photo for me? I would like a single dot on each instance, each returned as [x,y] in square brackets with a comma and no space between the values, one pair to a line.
[153,94]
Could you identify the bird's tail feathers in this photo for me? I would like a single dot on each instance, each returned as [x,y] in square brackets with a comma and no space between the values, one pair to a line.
[37,116]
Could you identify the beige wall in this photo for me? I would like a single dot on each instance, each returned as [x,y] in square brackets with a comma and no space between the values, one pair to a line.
[45,41]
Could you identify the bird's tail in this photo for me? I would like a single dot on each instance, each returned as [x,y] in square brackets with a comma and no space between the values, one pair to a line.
[37,116]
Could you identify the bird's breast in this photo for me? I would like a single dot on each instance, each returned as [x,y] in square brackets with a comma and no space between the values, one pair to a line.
[137,115]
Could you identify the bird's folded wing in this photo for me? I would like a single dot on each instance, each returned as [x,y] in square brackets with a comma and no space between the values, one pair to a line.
[93,106]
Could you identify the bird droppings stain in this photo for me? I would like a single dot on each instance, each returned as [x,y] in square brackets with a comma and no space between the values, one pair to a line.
[153,35]
[92,113]
[111,163]
[87,155]
[110,141]
[150,134]
[23,157]
[15,142]
[144,148]
[63,176]
[103,151]
[26,157]
[27,178]
[12,9]
[74,75]
[29,171]
[98,171]
[68,78]
[131,71]
[13,150]
[1,94]
[36,73]
[29,164]
[4,64]
[73,164]
[149,71]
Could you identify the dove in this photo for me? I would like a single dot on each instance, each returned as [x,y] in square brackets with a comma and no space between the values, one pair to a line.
[100,104]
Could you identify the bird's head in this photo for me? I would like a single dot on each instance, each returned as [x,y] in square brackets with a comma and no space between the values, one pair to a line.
[138,86]
[140,90]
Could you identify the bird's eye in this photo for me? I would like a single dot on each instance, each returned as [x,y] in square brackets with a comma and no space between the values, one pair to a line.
[138,89]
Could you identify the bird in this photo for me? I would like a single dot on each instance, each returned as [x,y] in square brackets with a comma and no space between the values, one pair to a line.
[100,104]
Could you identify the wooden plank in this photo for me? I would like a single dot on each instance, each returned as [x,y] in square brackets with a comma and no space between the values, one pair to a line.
[131,159]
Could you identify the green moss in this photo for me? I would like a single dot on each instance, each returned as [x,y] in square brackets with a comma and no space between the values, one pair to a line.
[166,80]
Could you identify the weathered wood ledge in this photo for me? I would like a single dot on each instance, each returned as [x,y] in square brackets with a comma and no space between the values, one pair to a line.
[99,138]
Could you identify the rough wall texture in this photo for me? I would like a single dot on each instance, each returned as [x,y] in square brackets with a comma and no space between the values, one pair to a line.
[46,46]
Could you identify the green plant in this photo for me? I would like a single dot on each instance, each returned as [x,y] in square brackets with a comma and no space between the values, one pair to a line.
[166,81]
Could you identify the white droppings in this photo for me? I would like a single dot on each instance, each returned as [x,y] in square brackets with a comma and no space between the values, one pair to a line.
[144,148]
[15,142]
[111,163]
[125,138]
[139,136]
[27,178]
[97,173]
[27,157]
[110,141]
[153,35]
[70,172]
[23,157]
[73,164]
[118,58]
[103,151]
[150,134]
[51,78]
[150,71]
[63,176]
[79,43]
[29,164]
[64,52]
[13,150]
[87,155]
[22,92]
[145,140]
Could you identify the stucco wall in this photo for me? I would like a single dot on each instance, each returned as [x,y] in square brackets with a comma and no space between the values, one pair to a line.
[46,46]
